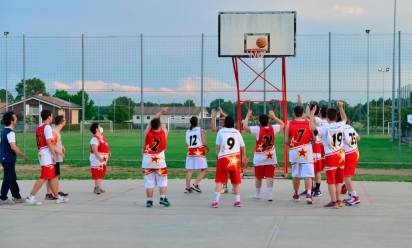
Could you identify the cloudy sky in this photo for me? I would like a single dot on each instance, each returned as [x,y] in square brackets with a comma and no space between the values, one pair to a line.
[172,64]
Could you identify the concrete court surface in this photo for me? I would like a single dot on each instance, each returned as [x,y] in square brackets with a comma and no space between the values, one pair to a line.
[118,218]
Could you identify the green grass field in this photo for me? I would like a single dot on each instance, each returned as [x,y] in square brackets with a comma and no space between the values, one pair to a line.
[375,151]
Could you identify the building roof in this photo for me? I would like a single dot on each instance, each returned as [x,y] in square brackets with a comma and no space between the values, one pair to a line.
[51,100]
[171,111]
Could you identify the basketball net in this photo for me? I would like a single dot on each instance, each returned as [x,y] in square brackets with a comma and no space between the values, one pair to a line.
[257,56]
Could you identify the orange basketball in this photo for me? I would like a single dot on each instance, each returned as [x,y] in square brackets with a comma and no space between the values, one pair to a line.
[261,42]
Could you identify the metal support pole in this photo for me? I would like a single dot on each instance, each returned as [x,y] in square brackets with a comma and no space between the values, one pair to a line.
[264,86]
[141,96]
[367,84]
[202,104]
[83,104]
[399,97]
[393,74]
[330,69]
[6,67]
[383,103]
[24,93]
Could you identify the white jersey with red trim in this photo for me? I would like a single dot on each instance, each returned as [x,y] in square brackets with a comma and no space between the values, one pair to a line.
[230,140]
[194,137]
[350,139]
[332,137]
[319,122]
[265,156]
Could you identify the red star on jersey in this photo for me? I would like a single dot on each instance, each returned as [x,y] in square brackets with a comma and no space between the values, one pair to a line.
[155,160]
[302,152]
[233,161]
[269,156]
[259,148]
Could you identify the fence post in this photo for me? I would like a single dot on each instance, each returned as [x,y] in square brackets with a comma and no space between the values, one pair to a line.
[141,95]
[367,83]
[202,62]
[393,75]
[83,104]
[399,97]
[24,93]
[264,86]
[330,69]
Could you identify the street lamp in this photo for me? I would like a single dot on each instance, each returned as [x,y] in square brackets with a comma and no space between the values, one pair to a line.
[6,68]
[383,70]
[367,82]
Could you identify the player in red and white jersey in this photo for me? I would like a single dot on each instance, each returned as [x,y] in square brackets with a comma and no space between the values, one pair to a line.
[231,152]
[197,149]
[99,155]
[299,136]
[47,155]
[264,155]
[154,161]
[318,150]
[332,139]
[350,143]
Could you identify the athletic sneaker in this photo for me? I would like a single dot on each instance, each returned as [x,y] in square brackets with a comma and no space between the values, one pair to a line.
[303,193]
[61,200]
[164,201]
[188,191]
[339,202]
[102,190]
[347,200]
[309,199]
[332,205]
[149,204]
[355,200]
[215,204]
[61,193]
[18,200]
[317,193]
[237,204]
[32,200]
[225,190]
[7,202]
[50,197]
[97,191]
[196,188]
[296,197]
[344,189]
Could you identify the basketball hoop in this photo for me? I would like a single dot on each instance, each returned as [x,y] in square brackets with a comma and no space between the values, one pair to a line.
[256,53]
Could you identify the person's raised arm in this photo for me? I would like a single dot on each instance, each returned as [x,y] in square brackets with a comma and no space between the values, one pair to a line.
[222,113]
[157,115]
[243,156]
[342,111]
[300,101]
[278,121]
[246,121]
[213,121]
[312,118]
[287,141]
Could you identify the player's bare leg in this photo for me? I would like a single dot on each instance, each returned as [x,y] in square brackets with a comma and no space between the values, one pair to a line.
[189,174]
[163,199]
[54,186]
[296,185]
[338,188]
[216,195]
[236,190]
[258,185]
[269,189]
[200,176]
[37,186]
[353,198]
[332,192]
[308,188]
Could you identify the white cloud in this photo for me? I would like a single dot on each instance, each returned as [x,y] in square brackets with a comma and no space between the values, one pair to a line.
[97,85]
[347,11]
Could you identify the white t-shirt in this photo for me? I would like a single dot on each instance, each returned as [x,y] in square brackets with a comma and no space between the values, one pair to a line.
[256,129]
[319,123]
[332,136]
[48,132]
[11,137]
[350,139]
[230,140]
[194,137]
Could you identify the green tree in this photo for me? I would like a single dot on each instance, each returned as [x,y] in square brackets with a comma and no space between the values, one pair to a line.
[34,86]
[3,93]
[121,109]
[90,110]
[189,103]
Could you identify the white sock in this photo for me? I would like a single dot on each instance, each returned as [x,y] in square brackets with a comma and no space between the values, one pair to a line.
[257,192]
[150,198]
[353,193]
[237,198]
[31,197]
[309,191]
[216,196]
[162,196]
[269,193]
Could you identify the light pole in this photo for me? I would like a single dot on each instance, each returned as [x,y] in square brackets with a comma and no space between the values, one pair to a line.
[367,82]
[383,71]
[6,34]
[393,73]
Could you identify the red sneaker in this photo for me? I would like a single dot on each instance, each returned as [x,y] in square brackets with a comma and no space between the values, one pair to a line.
[296,197]
[237,204]
[355,200]
[309,199]
[347,200]
[344,189]
[215,204]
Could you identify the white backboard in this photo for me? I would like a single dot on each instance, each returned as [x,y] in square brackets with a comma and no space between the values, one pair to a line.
[238,31]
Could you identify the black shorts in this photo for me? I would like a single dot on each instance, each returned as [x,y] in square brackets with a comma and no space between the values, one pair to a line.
[57,168]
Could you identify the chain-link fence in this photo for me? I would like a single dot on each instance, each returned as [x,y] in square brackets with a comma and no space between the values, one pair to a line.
[126,78]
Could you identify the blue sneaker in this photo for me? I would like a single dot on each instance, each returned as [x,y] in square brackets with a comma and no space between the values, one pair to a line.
[50,197]
[303,193]
[317,193]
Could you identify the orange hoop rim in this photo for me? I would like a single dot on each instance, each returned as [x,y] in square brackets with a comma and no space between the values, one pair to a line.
[256,52]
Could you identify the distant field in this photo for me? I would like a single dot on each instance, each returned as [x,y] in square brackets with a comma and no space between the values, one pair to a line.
[375,151]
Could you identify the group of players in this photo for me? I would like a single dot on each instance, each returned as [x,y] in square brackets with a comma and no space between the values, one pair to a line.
[318,139]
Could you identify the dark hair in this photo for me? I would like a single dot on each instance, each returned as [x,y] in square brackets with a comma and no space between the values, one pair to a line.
[58,120]
[313,105]
[229,122]
[193,122]
[155,123]
[298,110]
[338,117]
[323,111]
[332,114]
[8,118]
[45,114]
[264,120]
[94,127]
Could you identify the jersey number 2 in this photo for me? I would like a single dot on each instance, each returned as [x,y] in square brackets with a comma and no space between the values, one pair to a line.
[156,145]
